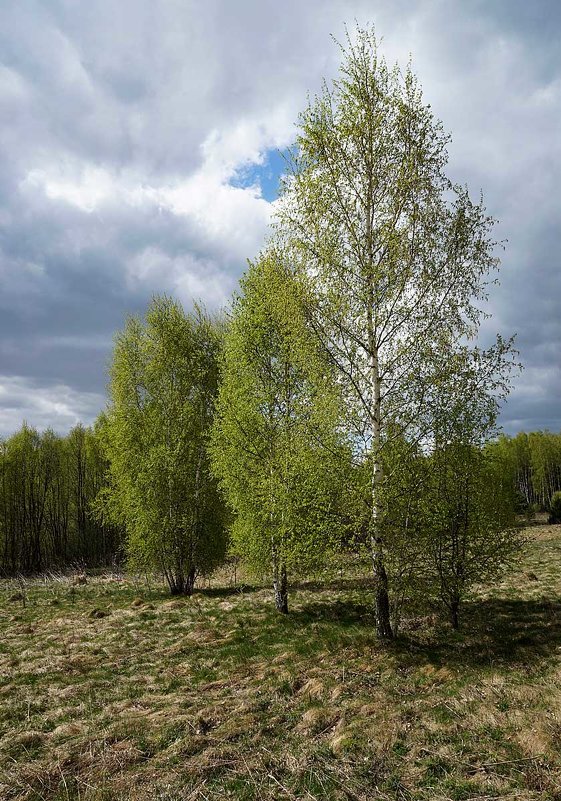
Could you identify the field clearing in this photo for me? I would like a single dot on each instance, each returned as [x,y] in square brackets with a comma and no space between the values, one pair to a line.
[112,691]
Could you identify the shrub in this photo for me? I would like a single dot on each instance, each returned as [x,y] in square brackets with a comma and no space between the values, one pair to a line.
[555,508]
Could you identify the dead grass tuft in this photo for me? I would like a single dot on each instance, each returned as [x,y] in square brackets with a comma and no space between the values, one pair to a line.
[313,688]
[96,614]
[26,740]
[317,721]
[67,730]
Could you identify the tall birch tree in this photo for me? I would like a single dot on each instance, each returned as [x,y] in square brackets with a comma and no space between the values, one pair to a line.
[397,258]
[164,379]
[275,438]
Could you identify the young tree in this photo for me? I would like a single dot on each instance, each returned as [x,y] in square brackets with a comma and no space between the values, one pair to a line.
[28,474]
[402,524]
[470,520]
[57,507]
[555,508]
[107,540]
[395,256]
[515,456]
[275,435]
[545,459]
[163,386]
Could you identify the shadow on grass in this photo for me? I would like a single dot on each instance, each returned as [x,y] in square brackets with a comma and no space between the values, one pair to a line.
[335,585]
[346,613]
[226,592]
[494,632]
[318,586]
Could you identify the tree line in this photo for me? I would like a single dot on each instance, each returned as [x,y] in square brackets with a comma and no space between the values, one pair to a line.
[341,404]
[534,461]
[48,485]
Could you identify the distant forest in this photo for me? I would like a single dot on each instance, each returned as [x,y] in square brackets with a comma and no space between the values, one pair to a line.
[535,462]
[49,485]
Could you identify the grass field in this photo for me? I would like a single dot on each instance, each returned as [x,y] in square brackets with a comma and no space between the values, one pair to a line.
[111,690]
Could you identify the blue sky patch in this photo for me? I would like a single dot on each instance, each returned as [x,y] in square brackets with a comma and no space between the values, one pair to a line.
[267,174]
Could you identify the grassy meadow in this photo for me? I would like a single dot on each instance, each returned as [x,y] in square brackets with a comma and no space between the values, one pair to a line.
[111,691]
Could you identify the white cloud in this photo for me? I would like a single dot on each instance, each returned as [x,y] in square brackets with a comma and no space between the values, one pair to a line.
[233,220]
[184,276]
[13,88]
[57,406]
[87,190]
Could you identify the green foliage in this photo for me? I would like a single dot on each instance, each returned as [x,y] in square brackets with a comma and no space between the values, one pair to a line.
[275,441]
[555,508]
[402,525]
[534,463]
[163,386]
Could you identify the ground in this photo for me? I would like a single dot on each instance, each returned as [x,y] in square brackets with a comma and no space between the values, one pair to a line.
[111,691]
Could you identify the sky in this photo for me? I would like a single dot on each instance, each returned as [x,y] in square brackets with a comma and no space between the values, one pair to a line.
[140,151]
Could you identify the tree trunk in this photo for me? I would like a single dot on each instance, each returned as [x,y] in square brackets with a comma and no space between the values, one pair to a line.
[175,579]
[280,586]
[454,614]
[280,581]
[189,583]
[383,621]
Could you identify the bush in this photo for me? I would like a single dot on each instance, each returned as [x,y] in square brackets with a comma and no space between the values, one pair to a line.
[555,508]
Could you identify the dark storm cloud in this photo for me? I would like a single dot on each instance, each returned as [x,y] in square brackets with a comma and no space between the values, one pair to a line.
[124,125]
[66,287]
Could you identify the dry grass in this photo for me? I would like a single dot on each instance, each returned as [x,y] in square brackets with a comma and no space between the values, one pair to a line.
[110,691]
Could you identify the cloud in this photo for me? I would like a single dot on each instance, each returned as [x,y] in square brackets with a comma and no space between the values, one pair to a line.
[184,276]
[57,406]
[136,159]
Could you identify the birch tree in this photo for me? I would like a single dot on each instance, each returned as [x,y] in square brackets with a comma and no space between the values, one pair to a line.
[163,386]
[468,505]
[275,439]
[470,520]
[397,258]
